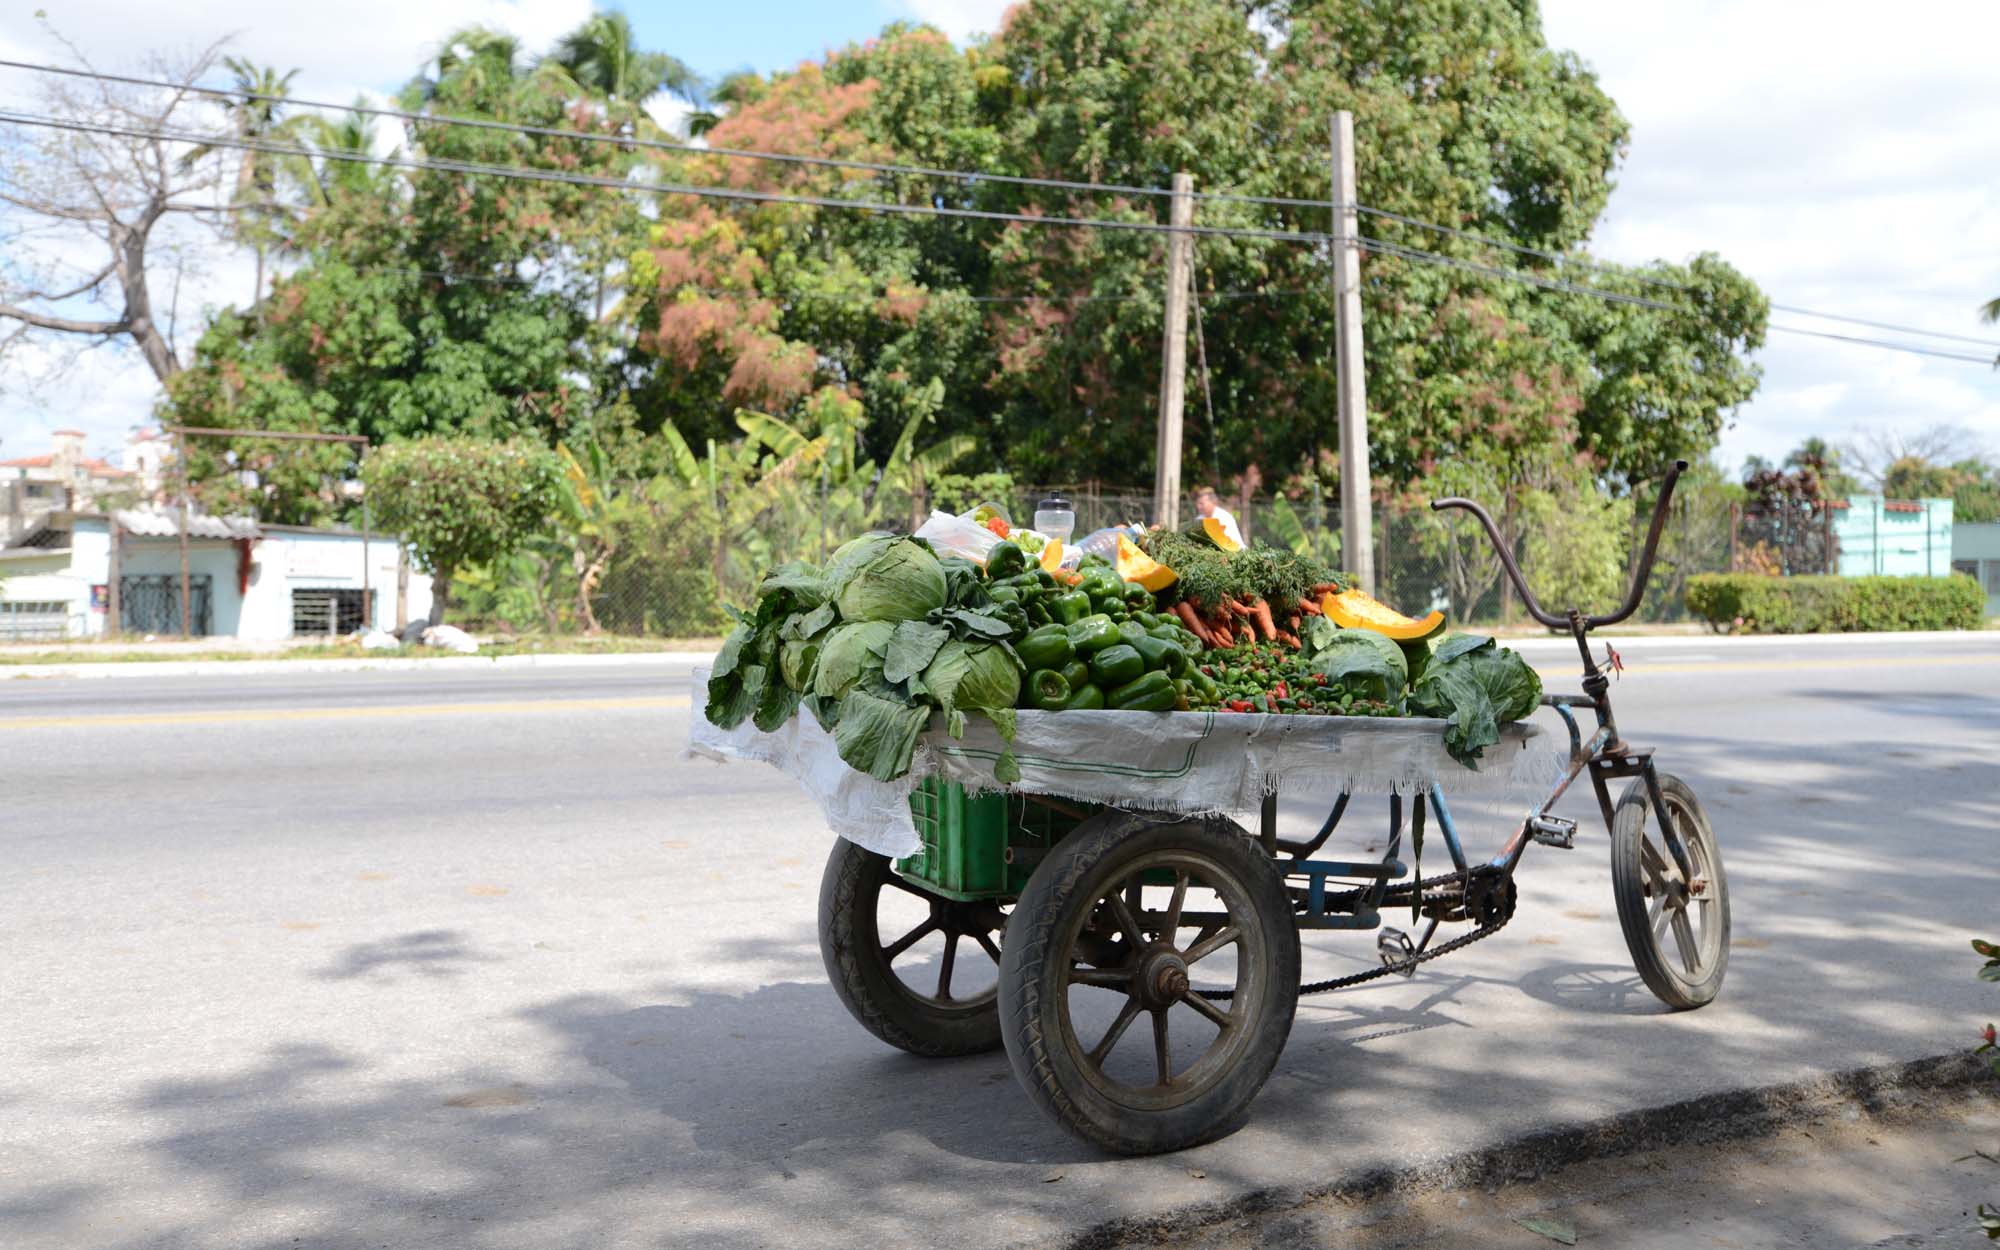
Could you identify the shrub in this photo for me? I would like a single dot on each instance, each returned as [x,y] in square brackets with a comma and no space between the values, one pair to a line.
[1747,603]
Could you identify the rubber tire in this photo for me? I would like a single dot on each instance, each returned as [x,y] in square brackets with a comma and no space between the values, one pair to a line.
[1628,819]
[1030,967]
[875,996]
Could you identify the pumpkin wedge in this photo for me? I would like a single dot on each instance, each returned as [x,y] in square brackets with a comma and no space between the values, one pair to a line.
[1052,554]
[1218,535]
[1352,609]
[1135,565]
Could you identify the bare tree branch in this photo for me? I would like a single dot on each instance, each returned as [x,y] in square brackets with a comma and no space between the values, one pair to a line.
[67,325]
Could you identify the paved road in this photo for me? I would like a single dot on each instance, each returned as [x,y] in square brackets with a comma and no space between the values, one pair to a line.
[478,959]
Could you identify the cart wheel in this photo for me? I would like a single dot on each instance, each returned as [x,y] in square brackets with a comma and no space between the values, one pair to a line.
[1185,922]
[1678,929]
[935,1012]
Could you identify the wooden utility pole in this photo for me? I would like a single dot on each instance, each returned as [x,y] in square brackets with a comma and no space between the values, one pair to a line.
[1357,547]
[1173,358]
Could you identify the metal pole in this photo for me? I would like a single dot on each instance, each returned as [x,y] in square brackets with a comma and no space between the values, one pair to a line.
[115,607]
[1173,359]
[187,604]
[367,593]
[1357,545]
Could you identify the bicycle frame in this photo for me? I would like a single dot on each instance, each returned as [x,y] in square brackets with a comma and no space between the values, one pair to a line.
[1605,755]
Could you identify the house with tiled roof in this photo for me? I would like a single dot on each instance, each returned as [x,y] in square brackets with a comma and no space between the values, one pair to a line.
[65,478]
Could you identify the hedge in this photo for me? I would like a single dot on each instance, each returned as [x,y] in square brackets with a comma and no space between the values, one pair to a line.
[1756,604]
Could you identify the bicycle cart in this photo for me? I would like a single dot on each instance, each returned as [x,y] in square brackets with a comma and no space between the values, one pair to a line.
[1141,966]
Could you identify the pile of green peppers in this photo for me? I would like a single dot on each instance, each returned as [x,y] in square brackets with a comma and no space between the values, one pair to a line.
[1265,677]
[1099,644]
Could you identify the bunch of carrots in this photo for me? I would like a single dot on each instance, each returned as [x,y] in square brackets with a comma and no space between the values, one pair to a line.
[1250,618]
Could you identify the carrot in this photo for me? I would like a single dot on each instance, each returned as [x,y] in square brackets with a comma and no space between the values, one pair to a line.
[1290,639]
[1310,607]
[1193,621]
[1260,612]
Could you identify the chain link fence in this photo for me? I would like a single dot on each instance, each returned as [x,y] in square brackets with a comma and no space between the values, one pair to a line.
[669,559]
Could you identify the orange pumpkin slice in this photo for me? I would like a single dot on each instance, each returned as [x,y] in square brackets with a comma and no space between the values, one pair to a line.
[1353,609]
[1052,554]
[1218,535]
[1135,565]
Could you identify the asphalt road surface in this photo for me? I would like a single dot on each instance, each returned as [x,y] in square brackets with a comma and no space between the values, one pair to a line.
[448,958]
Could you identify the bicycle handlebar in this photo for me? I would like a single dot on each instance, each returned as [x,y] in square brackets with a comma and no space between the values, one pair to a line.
[1632,596]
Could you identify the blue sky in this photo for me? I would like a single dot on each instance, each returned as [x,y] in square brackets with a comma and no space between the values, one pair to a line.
[1847,164]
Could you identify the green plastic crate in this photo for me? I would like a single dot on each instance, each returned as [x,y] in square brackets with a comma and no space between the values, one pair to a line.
[966,838]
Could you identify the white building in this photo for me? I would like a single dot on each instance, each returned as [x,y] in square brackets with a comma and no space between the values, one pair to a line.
[246,580]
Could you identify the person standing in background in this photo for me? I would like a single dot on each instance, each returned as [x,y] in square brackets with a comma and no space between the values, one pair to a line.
[1209,504]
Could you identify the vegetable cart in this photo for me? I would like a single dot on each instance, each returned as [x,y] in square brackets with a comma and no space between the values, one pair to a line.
[1141,966]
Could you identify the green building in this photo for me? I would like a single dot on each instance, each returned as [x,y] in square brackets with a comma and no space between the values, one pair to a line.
[1894,537]
[1975,552]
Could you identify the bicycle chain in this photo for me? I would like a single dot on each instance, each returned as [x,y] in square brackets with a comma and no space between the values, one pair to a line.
[1356,978]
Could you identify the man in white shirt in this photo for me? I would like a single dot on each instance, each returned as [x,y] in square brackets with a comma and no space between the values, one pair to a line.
[1208,504]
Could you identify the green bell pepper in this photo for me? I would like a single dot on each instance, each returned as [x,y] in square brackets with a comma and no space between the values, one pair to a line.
[1005,560]
[1077,674]
[1069,607]
[1004,594]
[1132,631]
[1151,692]
[1084,698]
[1116,665]
[1137,597]
[1048,690]
[1045,648]
[1160,654]
[1093,634]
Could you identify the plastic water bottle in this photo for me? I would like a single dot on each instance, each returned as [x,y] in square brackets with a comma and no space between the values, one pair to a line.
[1054,517]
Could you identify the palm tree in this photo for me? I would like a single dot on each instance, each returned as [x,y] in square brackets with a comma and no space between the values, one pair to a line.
[603,58]
[350,135]
[256,118]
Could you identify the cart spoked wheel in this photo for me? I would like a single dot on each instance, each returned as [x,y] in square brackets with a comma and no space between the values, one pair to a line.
[1676,924]
[919,971]
[1150,980]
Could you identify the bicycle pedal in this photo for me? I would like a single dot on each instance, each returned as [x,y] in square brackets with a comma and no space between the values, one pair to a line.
[1553,831]
[1397,951]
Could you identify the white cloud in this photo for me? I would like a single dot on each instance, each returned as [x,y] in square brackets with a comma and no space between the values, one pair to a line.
[1842,157]
[961,19]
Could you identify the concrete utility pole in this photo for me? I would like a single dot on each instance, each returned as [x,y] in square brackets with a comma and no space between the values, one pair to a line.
[1357,547]
[1173,358]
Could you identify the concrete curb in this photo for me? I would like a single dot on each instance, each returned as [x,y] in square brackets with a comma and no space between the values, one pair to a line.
[1725,1116]
[450,664]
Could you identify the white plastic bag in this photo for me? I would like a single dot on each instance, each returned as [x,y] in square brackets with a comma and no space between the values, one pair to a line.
[957,536]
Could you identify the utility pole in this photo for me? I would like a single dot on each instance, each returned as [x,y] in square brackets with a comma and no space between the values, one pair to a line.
[1357,547]
[1173,358]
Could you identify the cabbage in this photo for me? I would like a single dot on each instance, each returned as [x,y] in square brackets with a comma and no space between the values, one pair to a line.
[974,675]
[878,735]
[904,582]
[1476,687]
[849,653]
[1363,663]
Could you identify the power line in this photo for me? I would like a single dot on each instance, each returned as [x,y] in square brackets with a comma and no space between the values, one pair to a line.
[523,173]
[1885,325]
[524,128]
[1378,246]
[1384,248]
[1912,348]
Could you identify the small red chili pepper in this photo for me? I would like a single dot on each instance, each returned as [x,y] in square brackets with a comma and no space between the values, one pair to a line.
[1238,705]
[1280,691]
[997,525]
